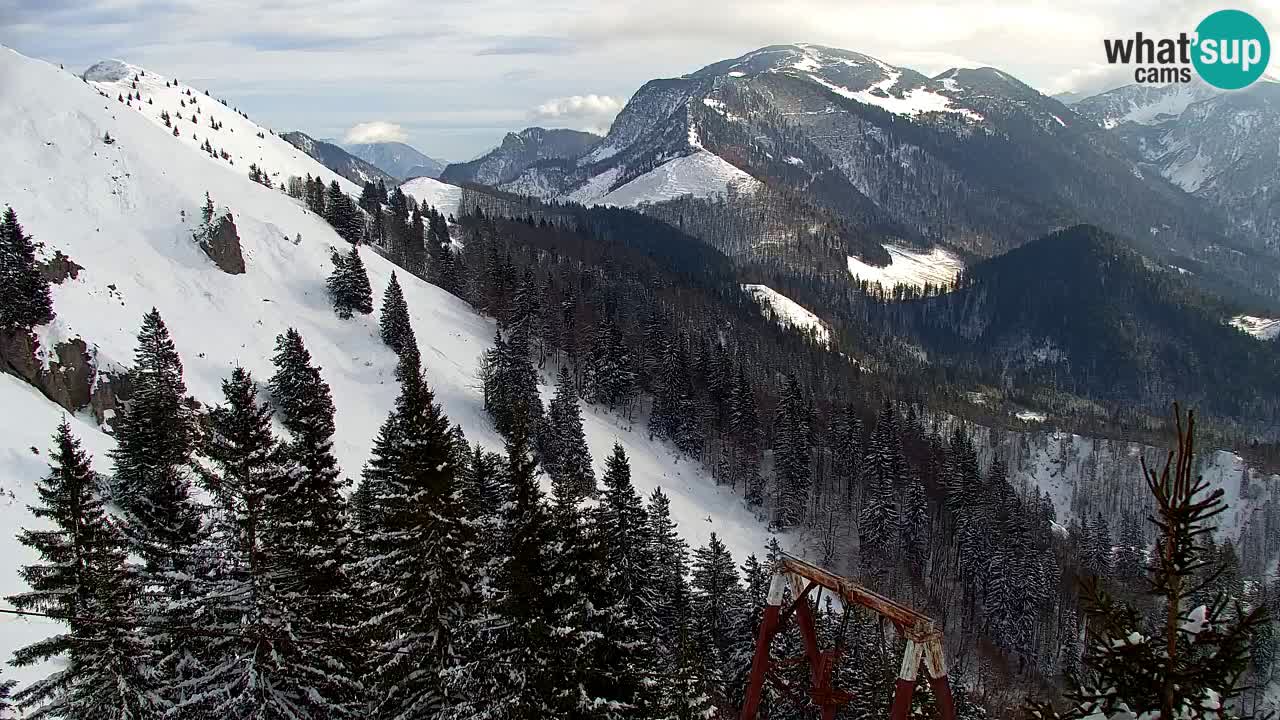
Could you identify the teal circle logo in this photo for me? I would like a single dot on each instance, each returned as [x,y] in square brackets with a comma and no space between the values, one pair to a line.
[1232,49]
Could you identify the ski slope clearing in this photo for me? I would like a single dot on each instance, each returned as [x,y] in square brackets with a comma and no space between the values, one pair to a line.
[1259,327]
[442,196]
[789,312]
[125,212]
[702,174]
[910,267]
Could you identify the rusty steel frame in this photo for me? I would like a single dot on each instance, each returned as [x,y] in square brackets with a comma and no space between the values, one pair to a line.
[924,642]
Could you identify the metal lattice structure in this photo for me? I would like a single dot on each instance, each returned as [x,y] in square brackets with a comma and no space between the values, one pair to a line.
[924,643]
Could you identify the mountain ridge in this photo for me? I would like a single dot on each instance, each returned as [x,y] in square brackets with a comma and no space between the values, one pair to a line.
[971,159]
[399,160]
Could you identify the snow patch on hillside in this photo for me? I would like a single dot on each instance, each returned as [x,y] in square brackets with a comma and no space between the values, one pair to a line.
[937,266]
[596,187]
[1191,174]
[913,102]
[788,312]
[1259,327]
[442,196]
[702,174]
[125,212]
[1172,102]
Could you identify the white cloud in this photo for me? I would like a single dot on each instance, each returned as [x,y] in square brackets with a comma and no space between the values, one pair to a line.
[581,112]
[375,131]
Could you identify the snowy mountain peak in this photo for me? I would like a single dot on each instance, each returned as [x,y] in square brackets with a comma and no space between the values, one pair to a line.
[111,71]
[191,116]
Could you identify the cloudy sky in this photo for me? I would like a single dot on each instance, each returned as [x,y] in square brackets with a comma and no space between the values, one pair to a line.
[452,78]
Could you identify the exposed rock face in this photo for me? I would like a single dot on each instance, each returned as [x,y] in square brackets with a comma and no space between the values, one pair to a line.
[222,245]
[108,396]
[70,373]
[59,268]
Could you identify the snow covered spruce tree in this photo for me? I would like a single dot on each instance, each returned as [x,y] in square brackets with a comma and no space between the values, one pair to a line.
[670,567]
[394,324]
[509,378]
[342,213]
[154,441]
[254,665]
[82,579]
[417,566]
[566,457]
[7,709]
[348,284]
[878,521]
[311,535]
[483,493]
[623,596]
[24,292]
[792,442]
[521,635]
[1190,662]
[718,602]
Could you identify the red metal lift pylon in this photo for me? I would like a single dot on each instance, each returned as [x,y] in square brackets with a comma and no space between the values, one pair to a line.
[924,643]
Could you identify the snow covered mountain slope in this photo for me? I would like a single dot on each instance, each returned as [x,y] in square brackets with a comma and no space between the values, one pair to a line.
[442,196]
[1221,147]
[124,211]
[1259,327]
[1142,104]
[702,174]
[910,267]
[789,312]
[245,141]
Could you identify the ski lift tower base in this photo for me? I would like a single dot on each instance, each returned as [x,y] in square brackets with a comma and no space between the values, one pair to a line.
[924,643]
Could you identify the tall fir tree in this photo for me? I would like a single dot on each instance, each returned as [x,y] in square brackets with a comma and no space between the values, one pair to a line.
[24,292]
[569,460]
[255,666]
[82,580]
[670,567]
[792,462]
[348,285]
[718,597]
[624,600]
[311,534]
[152,483]
[418,569]
[396,329]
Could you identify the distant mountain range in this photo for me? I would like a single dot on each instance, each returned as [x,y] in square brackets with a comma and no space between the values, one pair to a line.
[970,159]
[397,159]
[520,151]
[1221,147]
[337,159]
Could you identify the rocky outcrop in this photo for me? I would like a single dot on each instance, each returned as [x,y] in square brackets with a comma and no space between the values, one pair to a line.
[59,268]
[107,397]
[66,379]
[222,244]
